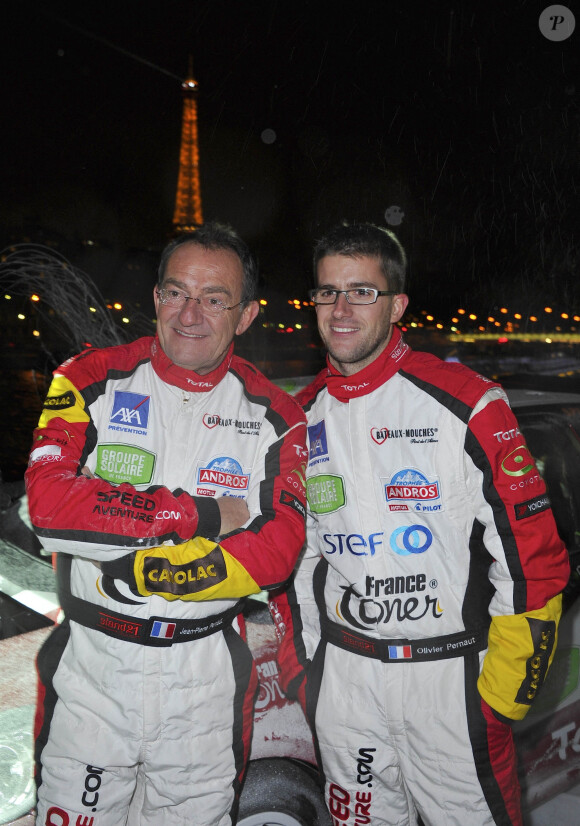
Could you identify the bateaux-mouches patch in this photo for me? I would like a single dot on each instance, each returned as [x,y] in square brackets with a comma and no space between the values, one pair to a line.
[130,412]
[161,576]
[532,506]
[415,435]
[409,489]
[318,450]
[61,402]
[223,472]
[242,426]
[120,463]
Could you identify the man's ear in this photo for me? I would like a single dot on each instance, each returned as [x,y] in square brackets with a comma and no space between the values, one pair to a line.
[249,313]
[398,307]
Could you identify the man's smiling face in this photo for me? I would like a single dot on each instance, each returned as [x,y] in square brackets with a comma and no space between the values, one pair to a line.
[355,335]
[190,337]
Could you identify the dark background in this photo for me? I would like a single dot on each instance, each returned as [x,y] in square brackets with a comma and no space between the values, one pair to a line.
[461,113]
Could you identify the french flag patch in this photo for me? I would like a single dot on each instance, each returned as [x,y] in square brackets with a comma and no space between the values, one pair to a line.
[400,652]
[166,630]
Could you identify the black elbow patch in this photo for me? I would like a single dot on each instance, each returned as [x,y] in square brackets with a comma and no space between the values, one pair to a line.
[544,636]
[293,502]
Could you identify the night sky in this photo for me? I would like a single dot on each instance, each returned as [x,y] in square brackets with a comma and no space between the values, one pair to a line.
[462,114]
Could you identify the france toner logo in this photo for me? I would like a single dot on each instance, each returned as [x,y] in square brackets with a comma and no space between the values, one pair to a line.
[130,412]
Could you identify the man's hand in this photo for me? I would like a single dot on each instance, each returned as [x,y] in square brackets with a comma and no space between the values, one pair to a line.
[234,512]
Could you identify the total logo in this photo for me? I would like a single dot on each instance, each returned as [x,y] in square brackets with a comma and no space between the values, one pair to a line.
[507,435]
[130,412]
[409,489]
[414,539]
[223,472]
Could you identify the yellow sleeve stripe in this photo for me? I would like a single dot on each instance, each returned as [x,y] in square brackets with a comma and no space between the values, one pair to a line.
[521,648]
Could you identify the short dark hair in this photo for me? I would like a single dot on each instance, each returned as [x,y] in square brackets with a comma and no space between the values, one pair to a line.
[366,240]
[215,236]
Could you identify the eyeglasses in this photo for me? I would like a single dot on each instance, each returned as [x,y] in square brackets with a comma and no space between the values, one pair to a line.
[359,295]
[207,303]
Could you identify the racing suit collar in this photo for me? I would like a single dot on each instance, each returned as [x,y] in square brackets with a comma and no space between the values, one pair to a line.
[187,379]
[378,372]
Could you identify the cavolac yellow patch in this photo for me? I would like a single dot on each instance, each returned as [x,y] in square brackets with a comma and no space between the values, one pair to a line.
[64,402]
[196,570]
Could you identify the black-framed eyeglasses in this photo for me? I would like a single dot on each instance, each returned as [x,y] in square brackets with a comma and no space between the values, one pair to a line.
[358,295]
[171,297]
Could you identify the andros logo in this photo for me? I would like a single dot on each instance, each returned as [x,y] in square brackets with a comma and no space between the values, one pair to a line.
[224,472]
[410,485]
[412,539]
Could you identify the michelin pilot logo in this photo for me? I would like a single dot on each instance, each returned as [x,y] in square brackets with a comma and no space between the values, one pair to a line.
[130,412]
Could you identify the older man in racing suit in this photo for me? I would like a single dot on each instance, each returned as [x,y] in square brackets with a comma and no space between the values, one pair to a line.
[158,475]
[423,616]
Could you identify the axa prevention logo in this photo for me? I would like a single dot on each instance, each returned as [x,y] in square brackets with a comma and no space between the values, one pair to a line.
[318,446]
[130,412]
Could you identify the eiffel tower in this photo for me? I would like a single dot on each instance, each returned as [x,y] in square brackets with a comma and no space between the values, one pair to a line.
[187,214]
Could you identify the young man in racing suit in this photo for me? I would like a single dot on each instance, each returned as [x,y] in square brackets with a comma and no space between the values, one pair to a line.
[422,618]
[163,464]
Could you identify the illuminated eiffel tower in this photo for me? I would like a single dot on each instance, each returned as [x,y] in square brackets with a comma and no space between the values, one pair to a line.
[187,215]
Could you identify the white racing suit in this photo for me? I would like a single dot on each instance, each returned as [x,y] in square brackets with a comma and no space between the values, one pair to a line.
[424,611]
[150,686]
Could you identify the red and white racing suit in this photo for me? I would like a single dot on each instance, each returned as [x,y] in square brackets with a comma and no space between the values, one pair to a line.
[428,593]
[152,686]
